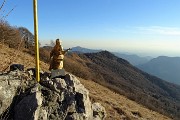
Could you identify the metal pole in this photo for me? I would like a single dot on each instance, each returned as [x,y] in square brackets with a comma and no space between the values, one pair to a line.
[36,39]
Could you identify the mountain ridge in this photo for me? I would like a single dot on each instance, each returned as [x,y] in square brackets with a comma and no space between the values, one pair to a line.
[132,58]
[122,77]
[80,49]
[164,67]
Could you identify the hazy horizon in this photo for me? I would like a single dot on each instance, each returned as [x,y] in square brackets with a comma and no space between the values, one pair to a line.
[123,51]
[143,27]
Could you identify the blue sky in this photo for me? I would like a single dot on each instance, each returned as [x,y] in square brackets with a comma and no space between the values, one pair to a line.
[150,27]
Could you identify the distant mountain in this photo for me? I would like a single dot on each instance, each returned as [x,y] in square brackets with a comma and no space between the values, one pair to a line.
[167,68]
[119,75]
[133,59]
[79,49]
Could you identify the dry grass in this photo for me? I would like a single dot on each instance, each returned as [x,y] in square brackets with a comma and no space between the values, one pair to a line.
[9,55]
[119,107]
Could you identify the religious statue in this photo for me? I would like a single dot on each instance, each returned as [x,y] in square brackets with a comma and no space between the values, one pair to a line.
[57,56]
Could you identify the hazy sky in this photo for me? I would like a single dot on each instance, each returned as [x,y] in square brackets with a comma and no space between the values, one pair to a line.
[137,26]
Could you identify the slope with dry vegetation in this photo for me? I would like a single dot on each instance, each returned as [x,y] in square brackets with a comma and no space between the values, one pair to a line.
[123,78]
[117,106]
[12,56]
[120,76]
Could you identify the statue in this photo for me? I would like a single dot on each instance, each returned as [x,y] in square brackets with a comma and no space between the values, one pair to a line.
[57,56]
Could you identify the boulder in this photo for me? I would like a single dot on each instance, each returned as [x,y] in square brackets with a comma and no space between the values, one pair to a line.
[99,112]
[17,67]
[9,84]
[63,98]
[29,107]
[67,99]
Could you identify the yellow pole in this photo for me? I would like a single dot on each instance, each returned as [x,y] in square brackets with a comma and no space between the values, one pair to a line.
[36,39]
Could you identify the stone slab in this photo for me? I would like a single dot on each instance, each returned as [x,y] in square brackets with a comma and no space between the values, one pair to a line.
[57,73]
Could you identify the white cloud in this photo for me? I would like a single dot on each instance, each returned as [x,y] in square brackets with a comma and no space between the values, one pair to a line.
[160,30]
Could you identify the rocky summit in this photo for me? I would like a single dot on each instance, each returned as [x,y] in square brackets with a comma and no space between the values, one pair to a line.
[60,98]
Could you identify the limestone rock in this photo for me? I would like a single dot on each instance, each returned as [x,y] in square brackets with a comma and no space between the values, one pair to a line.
[63,98]
[28,107]
[17,67]
[70,100]
[99,112]
[8,87]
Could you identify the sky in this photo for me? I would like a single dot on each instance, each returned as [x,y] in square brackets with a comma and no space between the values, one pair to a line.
[143,27]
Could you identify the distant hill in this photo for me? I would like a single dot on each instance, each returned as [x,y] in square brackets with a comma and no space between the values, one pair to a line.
[119,75]
[79,49]
[167,68]
[133,59]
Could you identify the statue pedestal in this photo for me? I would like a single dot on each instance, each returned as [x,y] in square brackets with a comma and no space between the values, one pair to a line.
[57,73]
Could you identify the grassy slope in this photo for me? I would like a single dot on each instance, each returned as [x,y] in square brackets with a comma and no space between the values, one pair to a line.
[8,55]
[117,106]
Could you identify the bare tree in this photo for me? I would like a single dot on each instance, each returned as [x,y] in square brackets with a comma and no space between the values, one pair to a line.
[4,15]
[2,22]
[52,43]
[2,5]
[8,35]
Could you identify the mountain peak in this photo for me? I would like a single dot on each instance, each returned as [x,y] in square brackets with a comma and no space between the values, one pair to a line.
[164,67]
[106,55]
[80,49]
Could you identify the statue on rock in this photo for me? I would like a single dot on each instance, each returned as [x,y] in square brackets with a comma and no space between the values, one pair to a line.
[56,58]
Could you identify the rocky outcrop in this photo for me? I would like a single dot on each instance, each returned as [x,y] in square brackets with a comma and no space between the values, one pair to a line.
[62,98]
[9,83]
[28,107]
[99,111]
